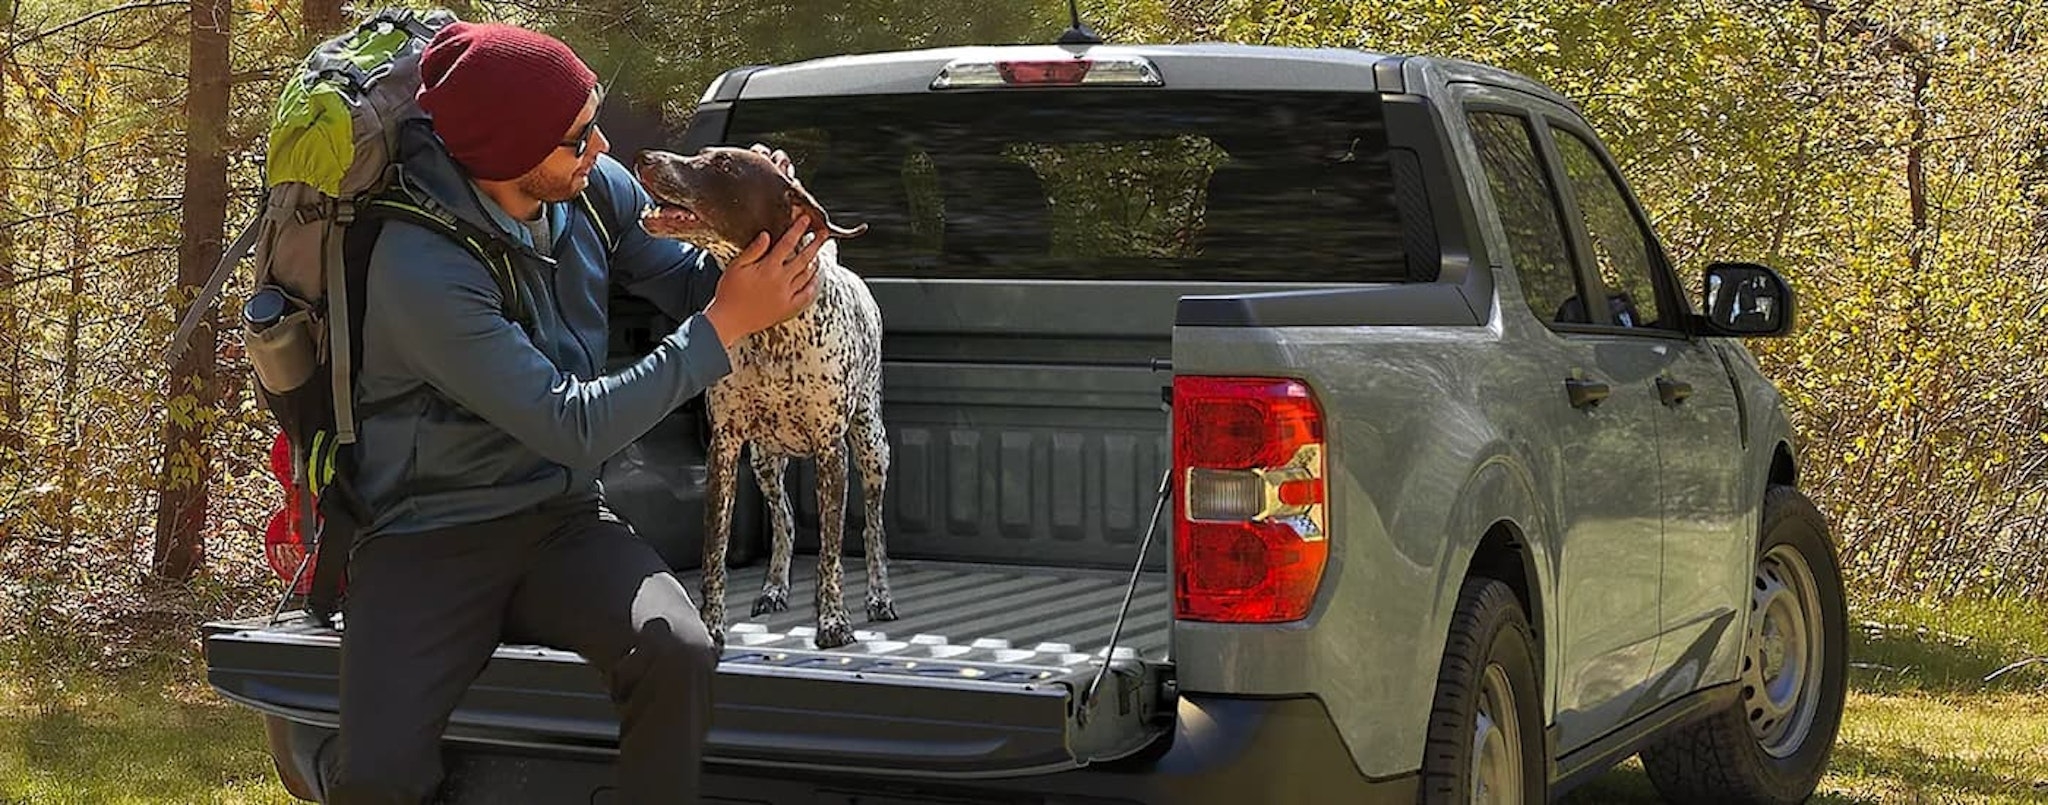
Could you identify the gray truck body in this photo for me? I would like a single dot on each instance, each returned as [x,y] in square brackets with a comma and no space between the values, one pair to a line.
[1028,430]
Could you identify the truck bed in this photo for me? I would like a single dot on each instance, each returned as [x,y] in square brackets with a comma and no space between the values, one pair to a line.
[958,610]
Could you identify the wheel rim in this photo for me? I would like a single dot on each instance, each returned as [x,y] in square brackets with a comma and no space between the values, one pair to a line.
[1496,742]
[1781,660]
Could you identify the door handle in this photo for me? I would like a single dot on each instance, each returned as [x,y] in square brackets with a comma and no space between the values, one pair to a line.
[1672,391]
[1585,392]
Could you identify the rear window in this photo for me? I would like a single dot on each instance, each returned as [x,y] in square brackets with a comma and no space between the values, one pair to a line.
[1106,184]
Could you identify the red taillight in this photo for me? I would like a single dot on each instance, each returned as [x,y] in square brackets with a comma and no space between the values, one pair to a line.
[1249,528]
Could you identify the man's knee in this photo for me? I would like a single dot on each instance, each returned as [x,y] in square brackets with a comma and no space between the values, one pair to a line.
[679,644]
[668,629]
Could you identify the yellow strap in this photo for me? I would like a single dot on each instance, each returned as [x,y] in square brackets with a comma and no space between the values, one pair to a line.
[313,463]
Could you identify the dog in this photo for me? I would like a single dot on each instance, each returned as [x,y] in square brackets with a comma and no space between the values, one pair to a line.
[808,387]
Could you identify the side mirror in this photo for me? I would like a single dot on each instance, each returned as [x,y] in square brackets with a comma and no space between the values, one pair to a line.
[1746,299]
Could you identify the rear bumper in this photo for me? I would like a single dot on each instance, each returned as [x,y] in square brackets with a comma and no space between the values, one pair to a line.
[1223,750]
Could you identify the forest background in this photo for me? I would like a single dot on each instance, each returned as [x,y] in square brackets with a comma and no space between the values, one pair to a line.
[1890,157]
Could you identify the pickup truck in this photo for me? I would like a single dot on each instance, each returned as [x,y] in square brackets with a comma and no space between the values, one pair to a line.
[1464,499]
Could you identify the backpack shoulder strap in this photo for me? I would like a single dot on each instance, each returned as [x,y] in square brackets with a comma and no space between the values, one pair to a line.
[495,257]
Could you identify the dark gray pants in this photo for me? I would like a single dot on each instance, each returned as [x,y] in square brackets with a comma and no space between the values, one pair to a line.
[425,611]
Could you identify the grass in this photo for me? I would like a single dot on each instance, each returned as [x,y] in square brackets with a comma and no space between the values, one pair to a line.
[1922,725]
[151,735]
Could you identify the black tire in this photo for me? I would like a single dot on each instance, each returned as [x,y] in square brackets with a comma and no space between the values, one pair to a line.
[1489,631]
[1723,759]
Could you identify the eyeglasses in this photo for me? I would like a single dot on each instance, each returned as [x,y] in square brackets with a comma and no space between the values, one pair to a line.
[581,144]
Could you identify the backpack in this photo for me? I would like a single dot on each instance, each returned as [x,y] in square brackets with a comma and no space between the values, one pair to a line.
[333,153]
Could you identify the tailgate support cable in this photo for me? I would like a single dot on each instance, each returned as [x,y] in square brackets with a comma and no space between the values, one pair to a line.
[1116,632]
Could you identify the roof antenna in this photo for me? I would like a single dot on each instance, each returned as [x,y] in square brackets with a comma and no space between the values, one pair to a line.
[1079,34]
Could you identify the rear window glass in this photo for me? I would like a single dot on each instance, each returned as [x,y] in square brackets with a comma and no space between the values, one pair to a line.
[1104,184]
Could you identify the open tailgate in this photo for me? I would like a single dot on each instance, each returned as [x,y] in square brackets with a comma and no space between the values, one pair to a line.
[923,705]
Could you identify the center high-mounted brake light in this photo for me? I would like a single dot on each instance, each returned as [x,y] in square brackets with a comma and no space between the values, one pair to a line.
[1134,71]
[1250,527]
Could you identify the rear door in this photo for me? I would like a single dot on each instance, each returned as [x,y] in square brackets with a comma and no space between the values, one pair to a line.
[1587,381]
[1704,566]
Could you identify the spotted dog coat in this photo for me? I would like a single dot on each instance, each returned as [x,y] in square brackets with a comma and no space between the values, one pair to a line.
[808,387]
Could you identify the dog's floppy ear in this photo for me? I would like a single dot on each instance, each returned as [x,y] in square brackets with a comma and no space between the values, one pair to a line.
[820,222]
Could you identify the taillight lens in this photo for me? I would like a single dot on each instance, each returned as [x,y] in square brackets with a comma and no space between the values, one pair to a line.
[1250,538]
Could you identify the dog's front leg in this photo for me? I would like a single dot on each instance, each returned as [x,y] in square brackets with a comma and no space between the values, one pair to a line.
[768,470]
[835,627]
[718,494]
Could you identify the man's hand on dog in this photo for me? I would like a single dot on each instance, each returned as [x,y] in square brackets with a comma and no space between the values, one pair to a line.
[764,285]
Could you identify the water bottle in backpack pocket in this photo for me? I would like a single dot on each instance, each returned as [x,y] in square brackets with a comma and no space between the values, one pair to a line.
[282,339]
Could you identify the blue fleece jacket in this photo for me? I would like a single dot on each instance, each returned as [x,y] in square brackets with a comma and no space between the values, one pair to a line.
[473,419]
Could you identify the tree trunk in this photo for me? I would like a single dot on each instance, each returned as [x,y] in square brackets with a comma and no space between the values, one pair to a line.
[1916,169]
[323,19]
[187,465]
[71,428]
[13,439]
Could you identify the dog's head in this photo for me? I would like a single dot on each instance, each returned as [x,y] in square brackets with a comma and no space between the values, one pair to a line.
[722,198]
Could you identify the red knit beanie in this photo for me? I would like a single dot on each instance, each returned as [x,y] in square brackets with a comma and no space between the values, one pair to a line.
[501,97]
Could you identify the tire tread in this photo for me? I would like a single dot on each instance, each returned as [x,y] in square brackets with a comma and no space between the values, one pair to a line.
[1716,760]
[1481,604]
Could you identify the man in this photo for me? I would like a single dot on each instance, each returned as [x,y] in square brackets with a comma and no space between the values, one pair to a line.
[480,453]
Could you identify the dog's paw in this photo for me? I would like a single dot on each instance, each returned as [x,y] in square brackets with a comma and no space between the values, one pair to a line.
[771,601]
[834,636]
[714,623]
[881,609]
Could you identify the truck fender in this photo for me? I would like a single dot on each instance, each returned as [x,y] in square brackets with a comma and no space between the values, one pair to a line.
[1497,509]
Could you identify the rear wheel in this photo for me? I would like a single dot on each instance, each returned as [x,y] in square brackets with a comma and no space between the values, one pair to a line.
[1772,746]
[1485,740]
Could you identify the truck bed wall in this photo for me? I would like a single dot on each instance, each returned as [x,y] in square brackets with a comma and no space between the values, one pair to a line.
[1025,421]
